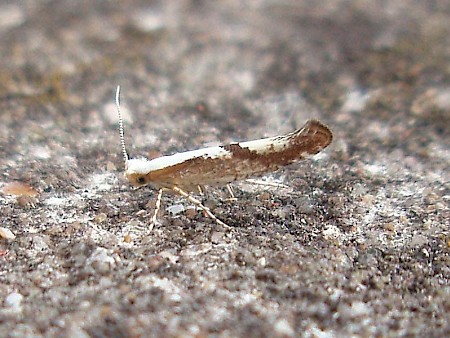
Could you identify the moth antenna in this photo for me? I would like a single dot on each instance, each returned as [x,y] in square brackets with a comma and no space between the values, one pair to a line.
[121,132]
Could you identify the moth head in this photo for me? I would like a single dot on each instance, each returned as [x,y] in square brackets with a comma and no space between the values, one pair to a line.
[137,172]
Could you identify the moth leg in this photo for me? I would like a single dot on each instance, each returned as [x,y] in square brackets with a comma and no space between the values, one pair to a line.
[201,189]
[231,192]
[199,204]
[157,208]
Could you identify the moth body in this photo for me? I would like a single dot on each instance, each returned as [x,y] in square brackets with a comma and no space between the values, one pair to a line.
[229,163]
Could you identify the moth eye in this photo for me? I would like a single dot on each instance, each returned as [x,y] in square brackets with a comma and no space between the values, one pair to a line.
[140,180]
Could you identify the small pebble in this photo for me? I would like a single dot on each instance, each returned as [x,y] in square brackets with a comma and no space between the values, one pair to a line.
[14,300]
[265,196]
[389,226]
[354,310]
[191,212]
[100,218]
[283,328]
[176,209]
[6,233]
[217,236]
[101,261]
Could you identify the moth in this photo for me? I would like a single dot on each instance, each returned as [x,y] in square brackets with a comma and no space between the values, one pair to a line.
[186,171]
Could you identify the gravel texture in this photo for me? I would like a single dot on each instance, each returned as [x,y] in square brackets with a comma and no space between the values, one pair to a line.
[354,242]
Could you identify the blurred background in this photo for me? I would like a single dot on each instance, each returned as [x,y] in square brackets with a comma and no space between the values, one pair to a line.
[357,244]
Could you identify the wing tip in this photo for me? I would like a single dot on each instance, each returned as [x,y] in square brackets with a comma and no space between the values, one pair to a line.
[319,135]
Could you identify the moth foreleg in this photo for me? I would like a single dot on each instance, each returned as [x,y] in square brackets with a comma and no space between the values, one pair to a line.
[157,208]
[201,189]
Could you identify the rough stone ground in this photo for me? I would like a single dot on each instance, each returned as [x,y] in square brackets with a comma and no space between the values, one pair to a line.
[354,243]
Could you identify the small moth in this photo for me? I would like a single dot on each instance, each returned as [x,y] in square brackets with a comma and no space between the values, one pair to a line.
[220,165]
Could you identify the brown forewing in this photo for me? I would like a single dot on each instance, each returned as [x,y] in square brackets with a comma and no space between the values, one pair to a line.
[244,162]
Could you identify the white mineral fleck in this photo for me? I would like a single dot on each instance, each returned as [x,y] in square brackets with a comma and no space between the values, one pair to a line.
[6,233]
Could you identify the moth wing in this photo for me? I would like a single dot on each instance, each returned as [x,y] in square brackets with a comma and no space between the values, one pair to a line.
[238,161]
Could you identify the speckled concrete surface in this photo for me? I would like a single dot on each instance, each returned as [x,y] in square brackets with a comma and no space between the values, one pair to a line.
[354,242]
